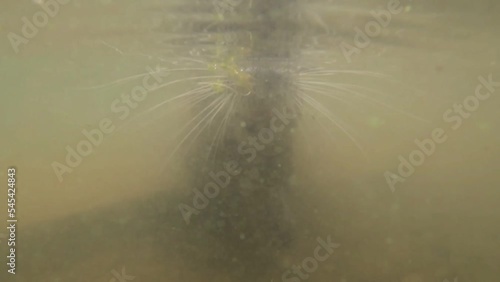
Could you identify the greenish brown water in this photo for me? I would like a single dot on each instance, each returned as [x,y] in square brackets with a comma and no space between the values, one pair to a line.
[118,208]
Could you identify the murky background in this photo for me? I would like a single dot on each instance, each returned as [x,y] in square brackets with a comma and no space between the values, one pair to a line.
[114,217]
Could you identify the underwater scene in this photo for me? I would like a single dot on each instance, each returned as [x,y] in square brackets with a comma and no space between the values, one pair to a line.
[250,140]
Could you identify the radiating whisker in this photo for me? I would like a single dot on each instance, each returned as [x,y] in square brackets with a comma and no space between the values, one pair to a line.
[203,119]
[192,95]
[220,84]
[326,72]
[118,81]
[183,95]
[321,109]
[220,134]
[345,88]
[140,75]
[323,92]
[194,60]
[192,100]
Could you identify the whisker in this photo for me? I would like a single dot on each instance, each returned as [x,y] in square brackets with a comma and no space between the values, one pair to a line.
[345,87]
[220,84]
[203,119]
[327,72]
[323,92]
[226,118]
[192,100]
[118,81]
[218,134]
[140,75]
[195,94]
[186,69]
[184,80]
[194,60]
[191,92]
[321,109]
[314,109]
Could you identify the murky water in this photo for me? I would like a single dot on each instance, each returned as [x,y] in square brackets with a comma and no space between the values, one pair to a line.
[395,160]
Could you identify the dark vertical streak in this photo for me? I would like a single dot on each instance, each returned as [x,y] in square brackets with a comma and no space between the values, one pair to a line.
[247,224]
